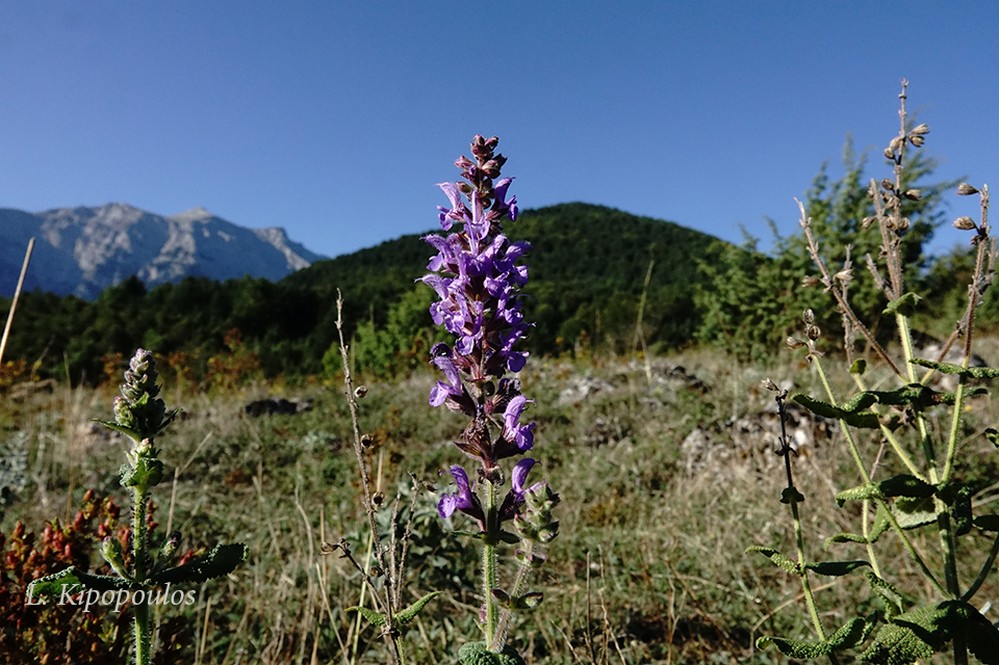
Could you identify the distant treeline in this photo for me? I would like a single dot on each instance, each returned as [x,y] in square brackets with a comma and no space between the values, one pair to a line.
[588,270]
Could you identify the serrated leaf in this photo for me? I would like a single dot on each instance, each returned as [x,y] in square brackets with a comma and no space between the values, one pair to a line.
[371,616]
[906,485]
[891,596]
[844,638]
[777,559]
[844,537]
[836,568]
[864,419]
[476,653]
[72,576]
[222,560]
[405,616]
[913,513]
[915,634]
[951,368]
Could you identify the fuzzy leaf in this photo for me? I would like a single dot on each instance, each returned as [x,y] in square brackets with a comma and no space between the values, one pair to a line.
[951,368]
[220,561]
[844,638]
[864,419]
[844,537]
[891,596]
[835,568]
[902,485]
[911,635]
[372,617]
[913,513]
[777,558]
[476,653]
[408,614]
[905,305]
[53,584]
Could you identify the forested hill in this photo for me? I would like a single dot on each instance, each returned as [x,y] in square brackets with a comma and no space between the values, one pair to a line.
[587,270]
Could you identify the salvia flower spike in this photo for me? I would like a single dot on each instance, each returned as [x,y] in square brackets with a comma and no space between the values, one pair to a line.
[478,274]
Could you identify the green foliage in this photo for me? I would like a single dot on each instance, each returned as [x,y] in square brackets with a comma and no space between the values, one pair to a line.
[846,637]
[476,653]
[750,301]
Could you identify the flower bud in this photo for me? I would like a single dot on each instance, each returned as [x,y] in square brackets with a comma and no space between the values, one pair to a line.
[964,224]
[964,189]
[112,553]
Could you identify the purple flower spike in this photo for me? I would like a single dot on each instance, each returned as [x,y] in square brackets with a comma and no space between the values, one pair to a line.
[463,500]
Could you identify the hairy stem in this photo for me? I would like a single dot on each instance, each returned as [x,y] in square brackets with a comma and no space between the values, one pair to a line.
[141,633]
[489,566]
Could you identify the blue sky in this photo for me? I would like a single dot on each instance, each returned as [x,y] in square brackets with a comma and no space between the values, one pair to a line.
[336,119]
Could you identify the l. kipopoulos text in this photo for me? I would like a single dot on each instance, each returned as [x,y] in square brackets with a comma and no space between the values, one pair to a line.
[78,595]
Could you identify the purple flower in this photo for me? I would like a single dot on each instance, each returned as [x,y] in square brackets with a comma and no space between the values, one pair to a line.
[517,495]
[463,500]
[521,435]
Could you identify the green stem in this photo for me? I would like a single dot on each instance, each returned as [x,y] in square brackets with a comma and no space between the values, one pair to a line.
[141,631]
[805,586]
[489,565]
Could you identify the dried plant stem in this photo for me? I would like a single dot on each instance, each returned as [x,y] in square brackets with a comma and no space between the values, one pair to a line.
[841,302]
[389,632]
[17,295]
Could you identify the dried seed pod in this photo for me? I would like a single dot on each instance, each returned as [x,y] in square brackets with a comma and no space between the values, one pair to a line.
[794,343]
[808,316]
[912,194]
[964,189]
[367,440]
[922,129]
[888,185]
[813,332]
[964,224]
[903,224]
[809,280]
[896,144]
[360,392]
[769,384]
[867,221]
[917,141]
[378,498]
[844,275]
[889,153]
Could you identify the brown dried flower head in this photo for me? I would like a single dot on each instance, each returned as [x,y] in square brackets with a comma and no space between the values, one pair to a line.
[964,189]
[964,224]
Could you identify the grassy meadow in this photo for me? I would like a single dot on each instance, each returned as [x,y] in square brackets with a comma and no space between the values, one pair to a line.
[665,466]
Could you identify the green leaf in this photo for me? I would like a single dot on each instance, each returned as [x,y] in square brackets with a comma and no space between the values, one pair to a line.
[865,419]
[905,305]
[405,616]
[836,568]
[891,596]
[476,653]
[902,485]
[858,367]
[951,368]
[913,513]
[992,434]
[372,617]
[777,558]
[844,537]
[220,561]
[918,633]
[844,638]
[54,584]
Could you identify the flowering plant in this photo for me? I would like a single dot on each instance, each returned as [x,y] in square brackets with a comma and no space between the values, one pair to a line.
[477,276]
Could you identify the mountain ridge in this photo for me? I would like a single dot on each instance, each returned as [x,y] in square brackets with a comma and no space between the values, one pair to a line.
[83,250]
